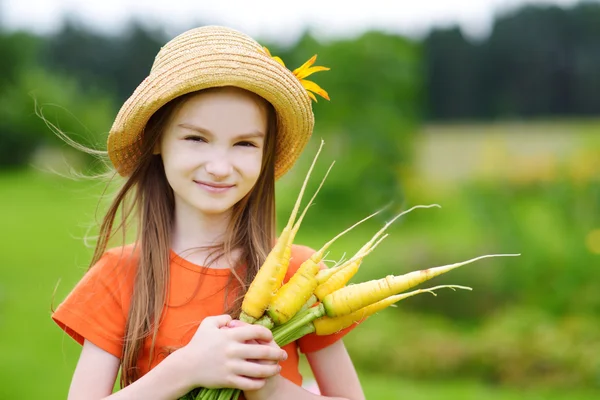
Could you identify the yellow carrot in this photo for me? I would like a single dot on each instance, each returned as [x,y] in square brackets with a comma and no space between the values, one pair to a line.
[270,275]
[325,274]
[354,297]
[287,254]
[330,281]
[290,298]
[344,272]
[329,325]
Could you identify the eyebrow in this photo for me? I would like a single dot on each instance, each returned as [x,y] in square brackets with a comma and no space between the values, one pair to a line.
[251,135]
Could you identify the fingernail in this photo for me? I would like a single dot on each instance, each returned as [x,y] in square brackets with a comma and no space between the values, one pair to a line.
[285,356]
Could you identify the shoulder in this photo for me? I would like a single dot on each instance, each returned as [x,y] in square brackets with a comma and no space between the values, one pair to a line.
[96,308]
[301,252]
[123,255]
[111,277]
[117,264]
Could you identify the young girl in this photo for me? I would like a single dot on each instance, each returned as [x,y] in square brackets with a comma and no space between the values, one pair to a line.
[200,144]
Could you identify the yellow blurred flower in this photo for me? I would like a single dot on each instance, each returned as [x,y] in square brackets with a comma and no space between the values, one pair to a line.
[592,241]
[540,169]
[584,167]
[304,71]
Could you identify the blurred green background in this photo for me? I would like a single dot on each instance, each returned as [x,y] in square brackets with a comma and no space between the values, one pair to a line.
[502,132]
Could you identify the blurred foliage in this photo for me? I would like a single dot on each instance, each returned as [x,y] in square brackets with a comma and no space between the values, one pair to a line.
[551,219]
[549,224]
[60,104]
[516,347]
[369,125]
[34,101]
[117,63]
[537,61]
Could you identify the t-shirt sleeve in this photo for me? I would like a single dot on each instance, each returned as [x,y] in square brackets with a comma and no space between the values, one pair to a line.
[94,309]
[313,342]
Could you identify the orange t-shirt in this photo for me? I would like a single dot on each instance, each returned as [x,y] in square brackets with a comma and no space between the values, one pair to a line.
[98,306]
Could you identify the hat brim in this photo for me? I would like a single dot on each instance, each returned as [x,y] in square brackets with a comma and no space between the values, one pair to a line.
[240,66]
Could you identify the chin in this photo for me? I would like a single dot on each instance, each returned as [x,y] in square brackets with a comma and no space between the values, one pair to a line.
[214,209]
[213,212]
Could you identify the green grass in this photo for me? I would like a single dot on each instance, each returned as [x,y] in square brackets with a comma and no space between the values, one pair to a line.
[380,387]
[45,219]
[43,225]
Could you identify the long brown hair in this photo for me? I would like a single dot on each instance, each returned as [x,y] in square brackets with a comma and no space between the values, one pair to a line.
[147,198]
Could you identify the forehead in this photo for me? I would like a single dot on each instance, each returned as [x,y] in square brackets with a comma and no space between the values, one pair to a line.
[223,110]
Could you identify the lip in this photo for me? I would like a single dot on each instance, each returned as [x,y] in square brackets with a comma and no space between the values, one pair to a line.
[214,187]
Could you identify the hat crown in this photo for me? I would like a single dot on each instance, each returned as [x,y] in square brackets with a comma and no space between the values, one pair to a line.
[204,41]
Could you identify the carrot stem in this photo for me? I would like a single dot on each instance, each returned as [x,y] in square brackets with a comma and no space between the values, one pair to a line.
[285,331]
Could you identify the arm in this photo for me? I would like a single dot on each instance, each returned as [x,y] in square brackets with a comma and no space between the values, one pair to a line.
[280,388]
[333,370]
[96,371]
[214,357]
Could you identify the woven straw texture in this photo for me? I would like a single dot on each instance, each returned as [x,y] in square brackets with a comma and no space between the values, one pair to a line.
[206,57]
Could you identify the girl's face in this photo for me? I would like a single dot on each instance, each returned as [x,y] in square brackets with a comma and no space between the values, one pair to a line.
[212,150]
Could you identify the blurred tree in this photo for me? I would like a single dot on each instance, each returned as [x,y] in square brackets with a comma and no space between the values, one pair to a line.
[529,63]
[452,65]
[18,49]
[375,87]
[118,63]
[85,116]
[538,61]
[585,49]
[18,52]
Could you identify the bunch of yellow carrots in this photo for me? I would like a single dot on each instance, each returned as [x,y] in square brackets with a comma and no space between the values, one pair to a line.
[317,299]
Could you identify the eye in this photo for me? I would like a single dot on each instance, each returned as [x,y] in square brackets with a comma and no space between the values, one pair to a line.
[246,144]
[195,138]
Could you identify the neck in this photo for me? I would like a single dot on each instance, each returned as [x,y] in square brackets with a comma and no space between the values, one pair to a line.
[193,229]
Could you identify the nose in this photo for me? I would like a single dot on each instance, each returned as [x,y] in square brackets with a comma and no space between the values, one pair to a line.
[218,166]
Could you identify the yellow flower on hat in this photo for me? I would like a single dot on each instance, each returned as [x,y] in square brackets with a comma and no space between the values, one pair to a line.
[304,71]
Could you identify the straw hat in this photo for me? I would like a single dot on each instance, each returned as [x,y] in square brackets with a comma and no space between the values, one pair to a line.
[214,56]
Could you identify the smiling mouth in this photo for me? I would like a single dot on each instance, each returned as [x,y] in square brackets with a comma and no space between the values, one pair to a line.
[215,185]
[215,188]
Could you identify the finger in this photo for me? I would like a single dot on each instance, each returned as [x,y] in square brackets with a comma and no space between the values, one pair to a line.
[236,323]
[246,383]
[255,370]
[251,332]
[267,342]
[265,362]
[218,321]
[260,352]
[270,343]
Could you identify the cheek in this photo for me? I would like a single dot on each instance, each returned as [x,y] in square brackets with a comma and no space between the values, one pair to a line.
[251,166]
[179,158]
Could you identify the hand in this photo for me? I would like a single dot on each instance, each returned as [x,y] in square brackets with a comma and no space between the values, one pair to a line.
[219,358]
[237,323]
[270,387]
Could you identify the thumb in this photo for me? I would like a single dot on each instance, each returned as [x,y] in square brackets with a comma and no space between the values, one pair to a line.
[217,321]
